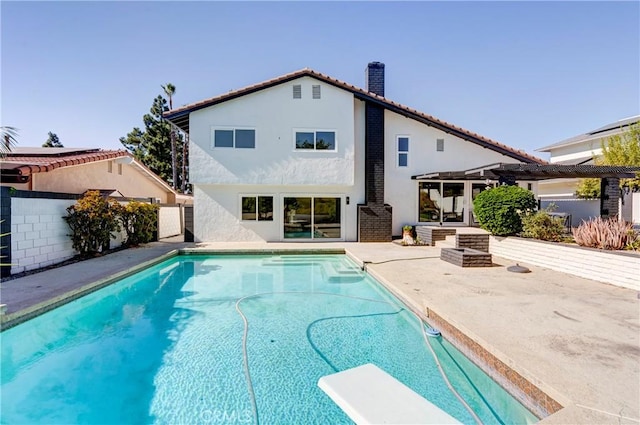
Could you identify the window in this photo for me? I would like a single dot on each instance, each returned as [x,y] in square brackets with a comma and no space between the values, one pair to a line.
[403,151]
[315,92]
[120,169]
[441,202]
[316,140]
[440,145]
[110,167]
[257,208]
[297,91]
[309,217]
[234,138]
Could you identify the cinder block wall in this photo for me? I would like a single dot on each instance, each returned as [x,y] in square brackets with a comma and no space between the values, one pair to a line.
[38,233]
[616,268]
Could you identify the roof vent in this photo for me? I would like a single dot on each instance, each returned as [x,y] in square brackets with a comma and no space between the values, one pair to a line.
[297,91]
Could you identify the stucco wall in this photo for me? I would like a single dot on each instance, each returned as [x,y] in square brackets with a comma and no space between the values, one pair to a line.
[275,116]
[217,211]
[96,175]
[576,152]
[400,191]
[169,221]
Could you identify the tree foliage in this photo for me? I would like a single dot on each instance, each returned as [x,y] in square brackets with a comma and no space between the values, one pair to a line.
[619,149]
[93,221]
[8,139]
[499,210]
[151,145]
[139,221]
[53,141]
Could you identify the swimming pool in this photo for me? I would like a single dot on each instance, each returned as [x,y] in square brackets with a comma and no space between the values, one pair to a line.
[169,345]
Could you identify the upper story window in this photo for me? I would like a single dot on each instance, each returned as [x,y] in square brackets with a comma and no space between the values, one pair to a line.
[234,138]
[316,140]
[440,145]
[315,92]
[257,208]
[403,151]
[297,91]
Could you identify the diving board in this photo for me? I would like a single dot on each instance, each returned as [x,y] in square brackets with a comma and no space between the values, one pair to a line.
[369,395]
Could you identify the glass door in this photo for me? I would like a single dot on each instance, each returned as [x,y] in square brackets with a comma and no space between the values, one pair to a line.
[441,202]
[312,218]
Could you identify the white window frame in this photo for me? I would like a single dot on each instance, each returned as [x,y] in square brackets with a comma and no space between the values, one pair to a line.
[398,152]
[256,196]
[233,129]
[314,131]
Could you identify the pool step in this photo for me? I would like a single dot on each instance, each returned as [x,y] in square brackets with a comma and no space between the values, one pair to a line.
[334,271]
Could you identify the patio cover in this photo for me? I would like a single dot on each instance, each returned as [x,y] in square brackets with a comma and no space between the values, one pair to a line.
[523,171]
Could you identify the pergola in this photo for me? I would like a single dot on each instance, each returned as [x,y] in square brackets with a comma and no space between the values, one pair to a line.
[507,173]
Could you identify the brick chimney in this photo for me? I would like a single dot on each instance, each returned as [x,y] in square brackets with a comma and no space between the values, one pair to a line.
[374,78]
[374,217]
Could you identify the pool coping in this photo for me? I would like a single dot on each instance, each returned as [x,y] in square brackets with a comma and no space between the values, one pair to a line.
[10,320]
[539,398]
[534,394]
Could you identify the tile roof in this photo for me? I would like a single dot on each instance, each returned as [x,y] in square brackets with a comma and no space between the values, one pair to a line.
[31,162]
[180,116]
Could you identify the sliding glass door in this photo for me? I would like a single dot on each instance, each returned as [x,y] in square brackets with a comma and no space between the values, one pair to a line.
[441,202]
[312,218]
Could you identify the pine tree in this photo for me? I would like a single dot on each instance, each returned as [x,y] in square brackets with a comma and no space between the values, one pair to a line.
[53,141]
[152,145]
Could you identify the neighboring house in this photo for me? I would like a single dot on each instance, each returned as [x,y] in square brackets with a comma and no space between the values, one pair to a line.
[579,149]
[582,149]
[76,170]
[307,157]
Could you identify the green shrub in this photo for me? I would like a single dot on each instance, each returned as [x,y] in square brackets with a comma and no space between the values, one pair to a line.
[92,220]
[541,225]
[499,210]
[608,233]
[139,220]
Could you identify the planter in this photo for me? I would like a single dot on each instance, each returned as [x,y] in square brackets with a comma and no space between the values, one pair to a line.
[407,237]
[618,268]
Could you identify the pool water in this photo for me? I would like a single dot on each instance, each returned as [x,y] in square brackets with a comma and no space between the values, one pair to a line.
[168,346]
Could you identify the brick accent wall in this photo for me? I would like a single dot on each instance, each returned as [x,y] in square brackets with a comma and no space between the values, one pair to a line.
[610,196]
[374,223]
[375,78]
[374,217]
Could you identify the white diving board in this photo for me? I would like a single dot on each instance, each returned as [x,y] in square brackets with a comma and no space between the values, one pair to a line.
[369,395]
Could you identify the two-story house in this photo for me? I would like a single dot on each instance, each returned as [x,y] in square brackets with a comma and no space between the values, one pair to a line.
[306,157]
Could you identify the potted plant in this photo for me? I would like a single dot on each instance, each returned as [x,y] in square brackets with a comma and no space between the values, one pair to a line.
[407,235]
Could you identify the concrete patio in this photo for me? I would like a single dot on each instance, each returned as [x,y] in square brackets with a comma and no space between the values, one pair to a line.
[576,339]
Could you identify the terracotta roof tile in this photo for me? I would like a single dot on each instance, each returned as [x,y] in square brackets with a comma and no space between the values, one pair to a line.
[31,164]
[180,116]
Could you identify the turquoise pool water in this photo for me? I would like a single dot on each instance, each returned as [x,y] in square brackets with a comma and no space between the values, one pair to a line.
[166,346]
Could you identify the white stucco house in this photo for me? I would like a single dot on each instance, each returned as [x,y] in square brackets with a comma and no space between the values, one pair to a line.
[307,157]
[582,149]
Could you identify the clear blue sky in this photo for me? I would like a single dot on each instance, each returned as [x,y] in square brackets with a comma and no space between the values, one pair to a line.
[527,74]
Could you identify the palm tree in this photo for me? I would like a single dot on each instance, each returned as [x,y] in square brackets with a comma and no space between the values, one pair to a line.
[9,138]
[170,90]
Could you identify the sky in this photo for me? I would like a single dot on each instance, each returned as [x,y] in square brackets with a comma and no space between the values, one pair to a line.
[527,74]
